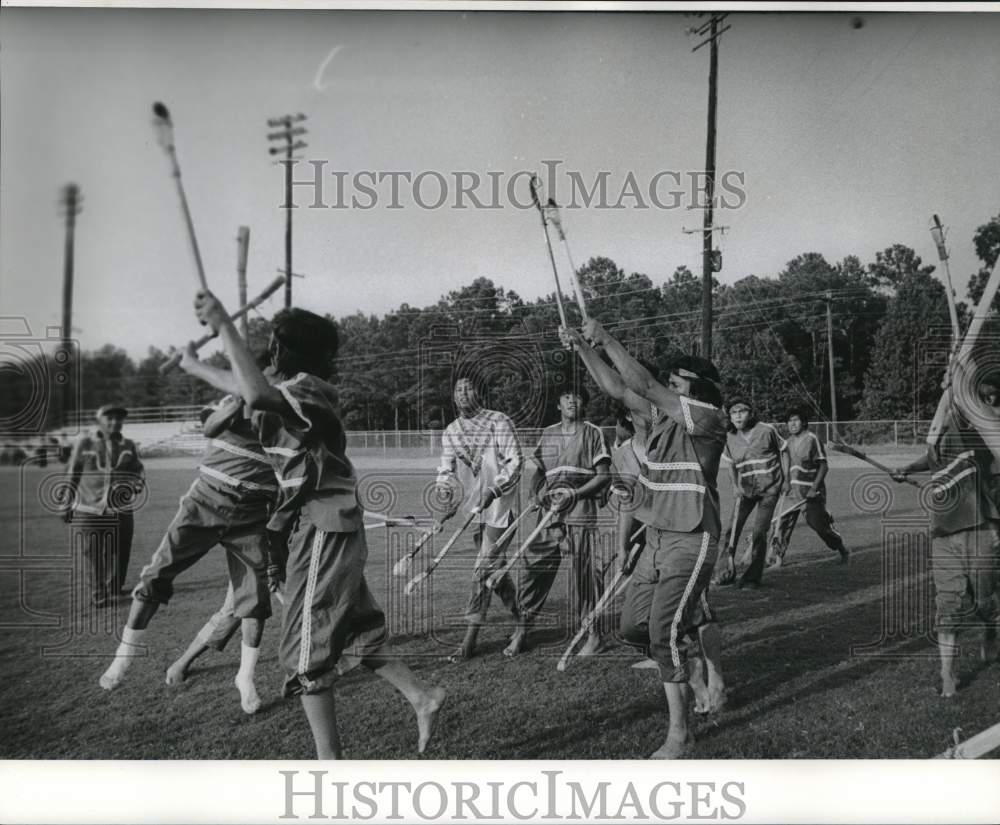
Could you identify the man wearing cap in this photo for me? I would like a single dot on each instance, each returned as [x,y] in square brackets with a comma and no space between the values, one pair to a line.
[571,469]
[105,476]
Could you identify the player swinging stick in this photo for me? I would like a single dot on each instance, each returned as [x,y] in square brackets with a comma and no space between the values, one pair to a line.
[331,622]
[665,602]
[228,505]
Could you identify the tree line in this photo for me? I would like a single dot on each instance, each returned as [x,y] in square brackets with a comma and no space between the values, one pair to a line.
[890,343]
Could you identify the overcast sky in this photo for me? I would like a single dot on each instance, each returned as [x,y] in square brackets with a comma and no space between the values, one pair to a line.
[848,140]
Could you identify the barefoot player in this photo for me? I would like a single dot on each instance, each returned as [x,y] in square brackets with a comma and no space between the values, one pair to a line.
[480,468]
[571,466]
[331,622]
[665,602]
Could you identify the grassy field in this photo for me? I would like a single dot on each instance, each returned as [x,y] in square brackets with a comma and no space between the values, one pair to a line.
[823,661]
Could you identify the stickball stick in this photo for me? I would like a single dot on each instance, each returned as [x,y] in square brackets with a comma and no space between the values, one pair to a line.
[402,567]
[533,186]
[621,578]
[412,583]
[844,448]
[165,134]
[556,219]
[273,287]
[495,578]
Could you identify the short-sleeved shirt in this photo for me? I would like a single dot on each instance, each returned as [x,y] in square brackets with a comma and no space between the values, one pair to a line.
[625,488]
[235,467]
[307,447]
[805,457]
[570,459]
[755,452]
[479,453]
[681,465]
[959,463]
[105,472]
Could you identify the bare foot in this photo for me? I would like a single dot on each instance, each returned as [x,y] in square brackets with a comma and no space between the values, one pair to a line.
[427,716]
[645,664]
[516,645]
[176,673]
[592,646]
[716,698]
[702,698]
[674,748]
[249,700]
[457,657]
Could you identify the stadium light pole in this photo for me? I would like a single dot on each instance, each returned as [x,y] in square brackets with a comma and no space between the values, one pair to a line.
[287,135]
[70,204]
[829,349]
[710,260]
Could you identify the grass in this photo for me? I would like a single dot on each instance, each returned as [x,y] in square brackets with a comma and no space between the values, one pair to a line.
[800,686]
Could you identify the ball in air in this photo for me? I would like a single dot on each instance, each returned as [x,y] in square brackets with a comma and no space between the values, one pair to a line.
[857,22]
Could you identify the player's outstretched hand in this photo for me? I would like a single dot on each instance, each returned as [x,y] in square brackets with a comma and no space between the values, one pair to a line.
[594,332]
[209,310]
[568,337]
[898,476]
[189,358]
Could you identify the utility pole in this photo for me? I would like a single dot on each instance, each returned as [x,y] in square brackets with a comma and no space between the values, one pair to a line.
[242,247]
[70,203]
[829,349]
[289,135]
[711,261]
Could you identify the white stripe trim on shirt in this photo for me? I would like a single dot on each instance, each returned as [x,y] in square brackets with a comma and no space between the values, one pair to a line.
[968,454]
[287,452]
[291,482]
[671,486]
[675,623]
[802,483]
[292,401]
[755,461]
[764,471]
[232,481]
[240,451]
[567,468]
[954,480]
[305,634]
[803,470]
[673,465]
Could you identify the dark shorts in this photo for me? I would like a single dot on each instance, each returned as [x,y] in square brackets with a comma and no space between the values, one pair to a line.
[667,598]
[198,526]
[331,620]
[965,566]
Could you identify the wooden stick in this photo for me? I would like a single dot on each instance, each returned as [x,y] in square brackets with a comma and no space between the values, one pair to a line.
[273,287]
[844,448]
[412,583]
[612,590]
[495,578]
[979,745]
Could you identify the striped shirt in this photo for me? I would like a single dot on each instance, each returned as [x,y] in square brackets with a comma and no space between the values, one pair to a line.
[307,447]
[959,465]
[570,459]
[756,455]
[235,466]
[478,453]
[805,457]
[680,467]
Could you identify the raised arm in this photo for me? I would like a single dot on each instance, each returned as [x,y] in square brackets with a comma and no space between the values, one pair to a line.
[610,381]
[250,383]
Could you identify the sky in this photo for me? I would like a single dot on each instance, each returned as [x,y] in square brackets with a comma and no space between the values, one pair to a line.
[846,139]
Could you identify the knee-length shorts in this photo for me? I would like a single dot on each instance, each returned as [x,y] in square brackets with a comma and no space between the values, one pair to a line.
[331,621]
[667,598]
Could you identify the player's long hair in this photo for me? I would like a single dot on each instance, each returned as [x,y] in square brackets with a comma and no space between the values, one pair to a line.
[306,342]
[801,414]
[704,388]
